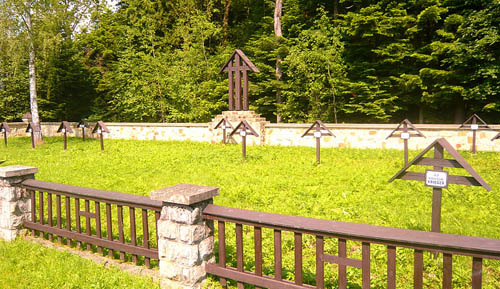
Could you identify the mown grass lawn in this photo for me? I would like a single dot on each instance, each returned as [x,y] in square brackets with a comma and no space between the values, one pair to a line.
[350,185]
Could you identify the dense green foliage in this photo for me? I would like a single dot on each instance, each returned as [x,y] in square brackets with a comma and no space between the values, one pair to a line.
[342,60]
[350,185]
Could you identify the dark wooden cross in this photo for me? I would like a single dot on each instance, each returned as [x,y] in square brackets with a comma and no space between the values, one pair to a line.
[65,128]
[406,130]
[238,63]
[224,124]
[244,129]
[32,128]
[473,124]
[100,128]
[318,129]
[83,124]
[439,179]
[4,128]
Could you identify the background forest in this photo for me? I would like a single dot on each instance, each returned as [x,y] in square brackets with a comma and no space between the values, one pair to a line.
[431,61]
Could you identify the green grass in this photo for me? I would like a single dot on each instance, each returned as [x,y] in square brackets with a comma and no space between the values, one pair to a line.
[350,185]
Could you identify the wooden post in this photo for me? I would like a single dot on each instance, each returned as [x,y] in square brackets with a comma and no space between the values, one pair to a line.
[474,121]
[5,136]
[83,132]
[244,145]
[102,141]
[224,135]
[238,82]
[437,194]
[318,150]
[65,140]
[231,86]
[245,89]
[406,151]
[32,139]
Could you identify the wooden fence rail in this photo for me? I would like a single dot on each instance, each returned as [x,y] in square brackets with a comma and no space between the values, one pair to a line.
[419,241]
[43,219]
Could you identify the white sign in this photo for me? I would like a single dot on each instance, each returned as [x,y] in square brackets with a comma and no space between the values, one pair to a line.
[81,126]
[317,134]
[63,130]
[436,179]
[223,126]
[405,135]
[29,130]
[243,133]
[3,130]
[99,130]
[474,126]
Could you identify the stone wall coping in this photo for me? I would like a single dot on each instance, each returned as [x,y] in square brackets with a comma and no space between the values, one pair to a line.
[125,124]
[17,171]
[185,194]
[373,126]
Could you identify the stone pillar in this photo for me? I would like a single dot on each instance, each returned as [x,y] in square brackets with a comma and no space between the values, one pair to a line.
[185,240]
[15,202]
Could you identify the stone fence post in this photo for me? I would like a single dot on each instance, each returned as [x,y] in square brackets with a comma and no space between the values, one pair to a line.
[15,202]
[185,240]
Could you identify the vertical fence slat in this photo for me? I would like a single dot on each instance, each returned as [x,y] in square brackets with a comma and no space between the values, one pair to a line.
[109,226]
[58,212]
[98,224]
[418,268]
[87,222]
[77,220]
[447,270]
[278,264]
[68,218]
[320,266]
[391,267]
[365,265]
[157,218]
[257,232]
[221,229]
[342,268]
[133,234]
[120,230]
[477,273]
[40,211]
[33,210]
[145,234]
[239,251]
[49,213]
[298,257]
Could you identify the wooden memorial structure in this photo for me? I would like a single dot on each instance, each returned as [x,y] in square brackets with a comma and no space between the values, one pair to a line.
[474,123]
[4,128]
[100,128]
[32,128]
[318,129]
[244,129]
[83,124]
[437,178]
[65,128]
[224,124]
[405,130]
[237,66]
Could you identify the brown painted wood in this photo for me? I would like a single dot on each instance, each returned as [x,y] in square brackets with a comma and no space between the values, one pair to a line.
[87,222]
[245,89]
[318,150]
[40,209]
[298,258]
[320,266]
[222,248]
[33,210]
[237,80]
[474,141]
[157,218]
[250,278]
[391,267]
[49,213]
[97,208]
[102,141]
[151,253]
[447,270]
[133,232]
[257,232]
[436,210]
[109,226]
[145,235]
[343,261]
[455,180]
[59,214]
[447,243]
[121,236]
[406,151]
[231,87]
[77,220]
[68,217]
[342,246]
[438,162]
[239,251]
[418,268]
[365,248]
[278,265]
[477,273]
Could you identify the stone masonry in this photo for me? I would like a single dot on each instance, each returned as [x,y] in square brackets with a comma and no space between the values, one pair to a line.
[185,240]
[15,202]
[255,120]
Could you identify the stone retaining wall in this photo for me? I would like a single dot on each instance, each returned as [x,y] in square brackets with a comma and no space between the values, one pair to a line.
[347,135]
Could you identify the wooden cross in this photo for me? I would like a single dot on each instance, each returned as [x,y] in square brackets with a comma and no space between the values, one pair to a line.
[4,128]
[405,127]
[65,128]
[318,129]
[234,64]
[244,129]
[472,124]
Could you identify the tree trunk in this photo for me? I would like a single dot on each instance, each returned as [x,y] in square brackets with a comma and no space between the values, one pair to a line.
[227,6]
[278,34]
[37,134]
[459,110]
[335,9]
